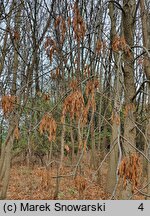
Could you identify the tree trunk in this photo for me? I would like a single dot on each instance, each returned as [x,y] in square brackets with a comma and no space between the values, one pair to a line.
[129,118]
[5,158]
[112,167]
[146,43]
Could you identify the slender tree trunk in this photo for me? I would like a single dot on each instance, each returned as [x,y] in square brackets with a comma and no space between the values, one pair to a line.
[116,111]
[5,158]
[93,152]
[146,43]
[72,140]
[62,144]
[129,119]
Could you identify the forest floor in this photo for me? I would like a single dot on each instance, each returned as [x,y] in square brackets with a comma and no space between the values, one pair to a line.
[36,183]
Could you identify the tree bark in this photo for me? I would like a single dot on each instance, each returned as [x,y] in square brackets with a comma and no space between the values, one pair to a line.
[112,167]
[129,119]
[146,43]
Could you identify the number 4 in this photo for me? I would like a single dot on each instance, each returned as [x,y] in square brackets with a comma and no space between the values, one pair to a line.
[141,207]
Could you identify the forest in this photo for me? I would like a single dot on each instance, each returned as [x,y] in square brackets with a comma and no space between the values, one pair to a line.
[75,99]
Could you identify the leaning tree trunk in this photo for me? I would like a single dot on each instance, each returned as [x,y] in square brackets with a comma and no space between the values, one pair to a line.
[5,159]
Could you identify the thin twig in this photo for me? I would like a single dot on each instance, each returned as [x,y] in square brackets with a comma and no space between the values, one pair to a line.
[136,148]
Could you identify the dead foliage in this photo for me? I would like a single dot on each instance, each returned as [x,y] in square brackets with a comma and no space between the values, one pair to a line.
[119,44]
[130,170]
[8,103]
[78,24]
[48,124]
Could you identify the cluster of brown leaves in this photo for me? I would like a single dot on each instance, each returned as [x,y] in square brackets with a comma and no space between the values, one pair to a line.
[130,169]
[91,87]
[60,25]
[74,104]
[8,103]
[129,108]
[50,47]
[119,44]
[48,124]
[78,24]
